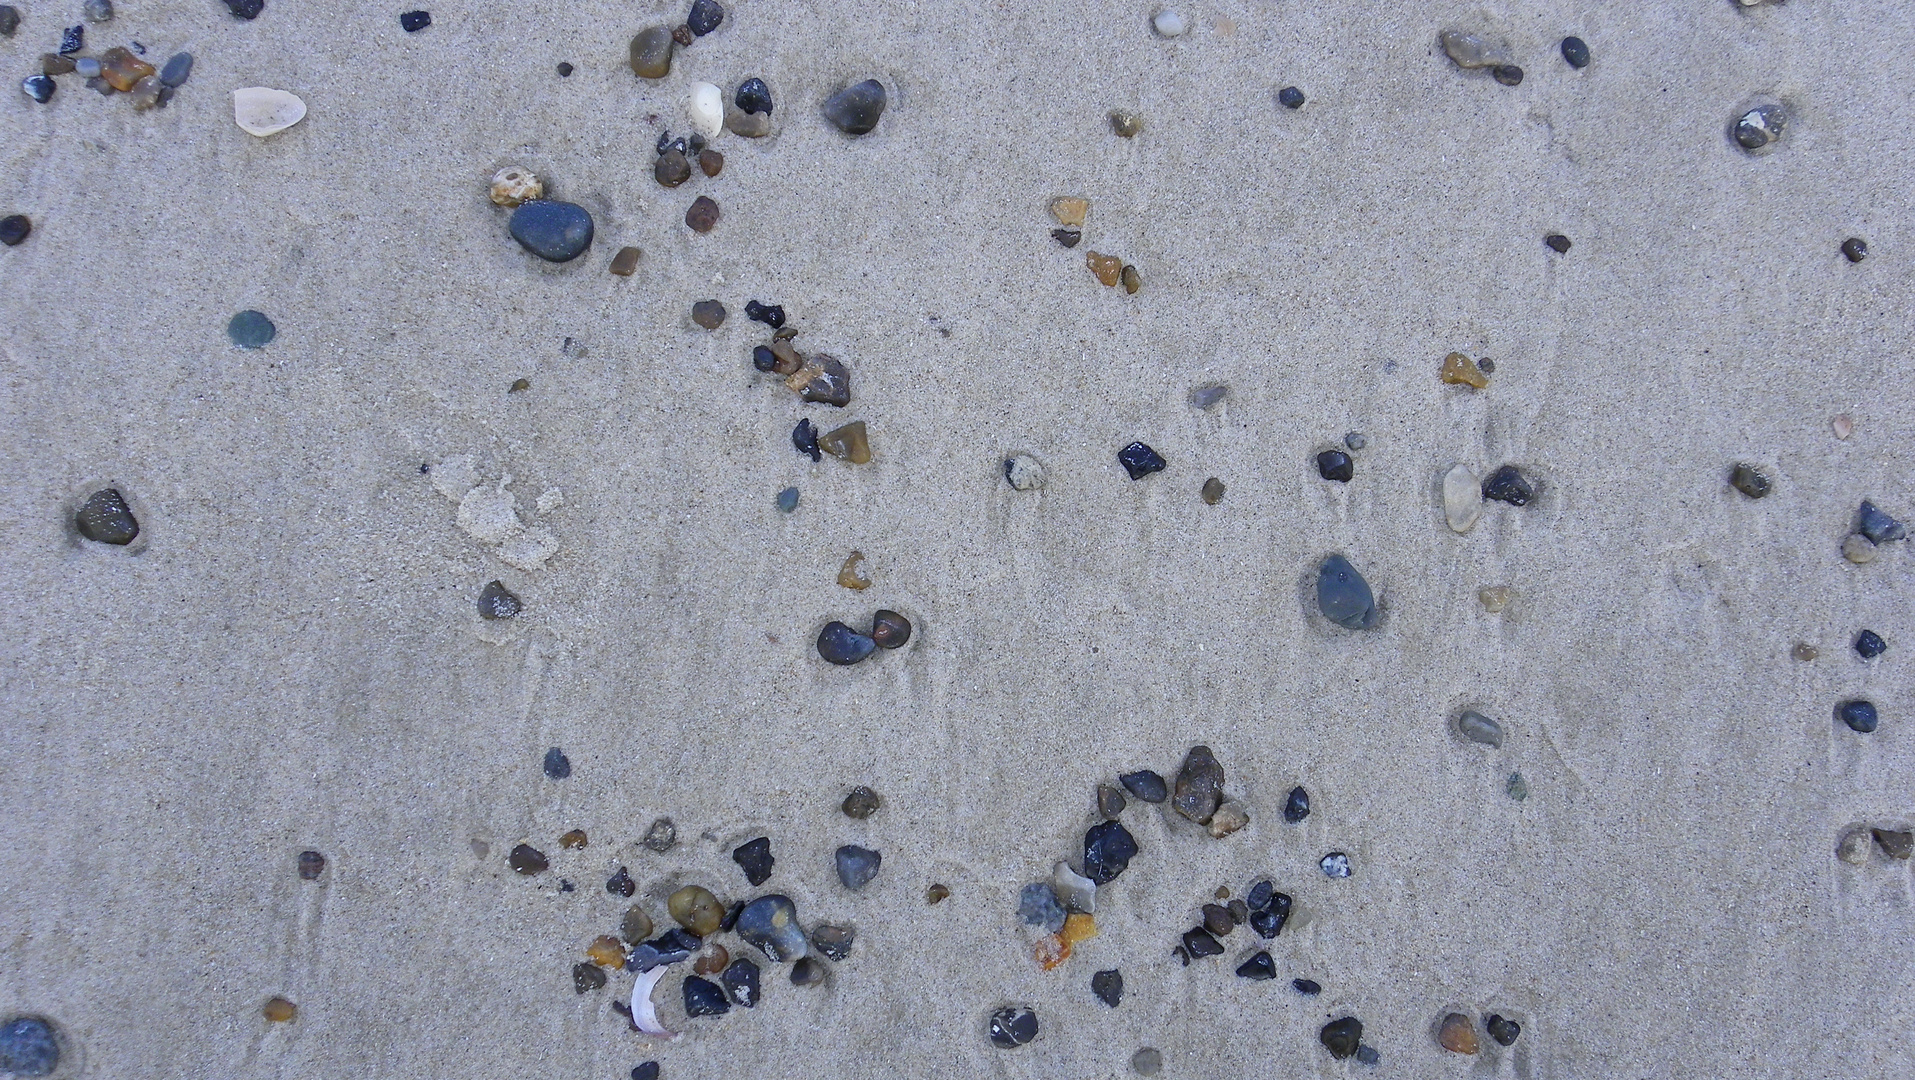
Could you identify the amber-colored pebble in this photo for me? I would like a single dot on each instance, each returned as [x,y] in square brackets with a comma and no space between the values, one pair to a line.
[278,1010]
[606,952]
[1132,279]
[696,909]
[1108,268]
[1069,210]
[1051,951]
[1222,893]
[1461,370]
[936,894]
[848,442]
[1078,927]
[519,385]
[1457,1034]
[712,958]
[852,574]
[1804,651]
[789,359]
[1212,491]
[703,215]
[123,70]
[625,262]
[1494,597]
[1126,124]
[683,35]
[711,162]
[573,839]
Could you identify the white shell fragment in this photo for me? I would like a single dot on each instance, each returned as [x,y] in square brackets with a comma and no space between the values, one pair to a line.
[1078,892]
[1168,23]
[1462,498]
[708,109]
[263,111]
[644,1014]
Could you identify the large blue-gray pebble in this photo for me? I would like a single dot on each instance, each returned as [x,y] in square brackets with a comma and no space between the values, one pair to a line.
[552,230]
[1037,905]
[1343,596]
[771,923]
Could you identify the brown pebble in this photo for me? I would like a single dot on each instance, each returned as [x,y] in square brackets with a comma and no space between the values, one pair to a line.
[519,385]
[574,839]
[696,909]
[1110,801]
[936,894]
[1126,124]
[703,215]
[1494,597]
[121,69]
[1858,549]
[1228,819]
[1217,920]
[1460,370]
[55,64]
[278,1010]
[527,860]
[861,803]
[824,380]
[1108,268]
[625,262]
[1239,912]
[1212,491]
[712,958]
[709,314]
[789,359]
[311,865]
[636,926]
[1131,278]
[1457,1034]
[1222,893]
[711,162]
[684,36]
[671,169]
[848,442]
[1804,651]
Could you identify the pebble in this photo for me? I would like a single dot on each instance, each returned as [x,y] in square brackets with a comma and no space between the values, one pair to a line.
[121,69]
[527,860]
[847,443]
[755,859]
[1858,714]
[38,87]
[178,69]
[1108,986]
[1199,787]
[1139,460]
[1297,806]
[554,231]
[671,169]
[1895,843]
[1146,785]
[711,162]
[606,952]
[1460,370]
[72,40]
[1335,465]
[1471,50]
[1843,425]
[1516,787]
[1804,651]
[251,330]
[937,894]
[55,64]
[1760,126]
[104,518]
[1108,849]
[565,70]
[1203,397]
[1507,74]
[772,315]
[1110,801]
[662,836]
[1070,210]
[1290,97]
[246,9]
[636,926]
[1343,596]
[823,381]
[672,947]
[1168,23]
[1125,124]
[709,314]
[1457,1034]
[696,909]
[498,602]
[804,437]
[1341,1037]
[741,982]
[1037,905]
[556,764]
[702,215]
[856,109]
[1268,920]
[771,924]
[1131,278]
[753,97]
[1878,526]
[97,11]
[833,942]
[621,884]
[9,20]
[1212,491]
[1198,943]
[842,645]
[587,977]
[857,865]
[682,35]
[1462,498]
[1012,1027]
[1336,864]
[1858,549]
[263,111]
[1855,249]
[625,263]
[1368,1055]
[704,997]
[1576,52]
[1502,1030]
[747,125]
[1108,269]
[705,16]
[1228,819]
[1148,1061]
[651,53]
[861,803]
[1478,728]
[707,109]
[1508,484]
[278,1010]
[1258,968]
[645,1071]
[414,21]
[1067,237]
[1748,481]
[890,629]
[1217,920]
[1239,911]
[1075,891]
[1869,645]
[788,500]
[311,865]
[1557,243]
[146,93]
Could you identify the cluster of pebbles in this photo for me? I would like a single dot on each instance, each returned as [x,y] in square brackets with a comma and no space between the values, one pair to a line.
[1070,213]
[120,69]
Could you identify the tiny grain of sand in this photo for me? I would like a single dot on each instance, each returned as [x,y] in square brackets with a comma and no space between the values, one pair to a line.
[292,659]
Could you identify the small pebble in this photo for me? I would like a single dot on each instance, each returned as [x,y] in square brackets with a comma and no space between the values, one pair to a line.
[1140,460]
[702,215]
[755,859]
[662,836]
[1869,645]
[1858,549]
[1460,370]
[753,97]
[771,924]
[1297,806]
[636,926]
[625,263]
[1012,1027]
[711,960]
[104,518]
[1804,651]
[847,443]
[1748,481]
[1472,50]
[889,629]
[696,909]
[38,87]
[1858,714]
[709,314]
[554,231]
[705,16]
[1269,918]
[807,972]
[1147,1062]
[841,645]
[1895,843]
[707,111]
[1070,210]
[1228,819]
[311,865]
[1760,126]
[606,952]
[177,70]
[682,35]
[1108,849]
[1168,23]
[1335,465]
[1502,1030]
[833,942]
[527,860]
[1507,74]
[556,764]
[1108,269]
[1076,892]
[1108,986]
[72,40]
[1290,97]
[646,1071]
[651,53]
[671,169]
[1110,801]
[587,977]
[1203,397]
[805,438]
[1258,968]
[1126,124]
[1457,1034]
[1879,527]
[1239,911]
[1217,920]
[414,21]
[1842,425]
[1494,598]
[788,500]
[565,70]
[1199,788]
[711,162]
[1516,787]
[1367,1055]
[704,997]
[824,380]
[1341,1037]
[1212,491]
[741,984]
[97,11]
[9,20]
[855,109]
[1855,249]
[1198,943]
[621,884]
[1336,864]
[278,1010]
[937,894]
[671,947]
[1478,728]
[1343,596]
[55,64]
[861,803]
[1131,279]
[1462,498]
[251,330]
[1067,237]
[1355,440]
[1146,785]
[1508,484]
[246,9]
[1557,243]
[1576,52]
[1307,987]
[772,315]
[1037,905]
[857,865]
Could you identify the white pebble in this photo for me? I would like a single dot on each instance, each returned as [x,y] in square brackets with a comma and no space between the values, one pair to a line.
[263,111]
[1462,498]
[513,185]
[1023,472]
[1169,23]
[708,109]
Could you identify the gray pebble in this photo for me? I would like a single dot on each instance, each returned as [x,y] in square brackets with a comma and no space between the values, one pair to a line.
[662,836]
[98,11]
[857,866]
[1203,397]
[1343,596]
[1336,864]
[1760,126]
[856,109]
[86,67]
[1023,472]
[104,518]
[177,70]
[1879,527]
[1037,905]
[771,923]
[1355,440]
[1147,1062]
[1478,728]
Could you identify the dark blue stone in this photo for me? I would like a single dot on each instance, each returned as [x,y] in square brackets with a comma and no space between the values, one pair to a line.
[753,97]
[554,231]
[28,1047]
[1199,943]
[1108,986]
[705,16]
[246,9]
[38,87]
[741,982]
[857,866]
[704,998]
[670,948]
[805,438]
[1870,645]
[755,859]
[557,765]
[1290,97]
[1343,596]
[1342,1037]
[1508,484]
[1108,849]
[764,359]
[772,315]
[1260,894]
[647,1071]
[1859,715]
[842,645]
[1367,1054]
[1307,987]
[771,923]
[1268,919]
[414,21]
[1296,807]
[1576,51]
[1146,785]
[1012,1027]
[1876,525]
[1335,465]
[177,70]
[1140,460]
[1258,968]
[251,330]
[72,40]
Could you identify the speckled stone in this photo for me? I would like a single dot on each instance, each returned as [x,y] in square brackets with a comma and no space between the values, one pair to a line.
[1760,126]
[1504,1031]
[1108,849]
[1290,97]
[771,924]
[860,803]
[662,835]
[28,1046]
[1037,905]
[705,17]
[1212,491]
[753,97]
[842,645]
[1146,785]
[651,53]
[1749,481]
[1012,1027]
[1297,806]
[702,215]
[1125,125]
[1878,526]
[556,765]
[1336,865]
[1858,714]
[1853,848]
[104,518]
[1199,788]
[1508,484]
[554,231]
[311,865]
[498,602]
[1869,645]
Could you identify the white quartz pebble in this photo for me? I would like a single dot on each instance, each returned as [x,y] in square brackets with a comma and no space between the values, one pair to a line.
[263,111]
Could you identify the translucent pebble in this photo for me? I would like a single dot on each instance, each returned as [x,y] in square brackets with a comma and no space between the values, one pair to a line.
[263,111]
[1472,50]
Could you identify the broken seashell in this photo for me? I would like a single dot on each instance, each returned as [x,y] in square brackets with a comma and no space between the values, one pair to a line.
[263,111]
[708,109]
[644,1014]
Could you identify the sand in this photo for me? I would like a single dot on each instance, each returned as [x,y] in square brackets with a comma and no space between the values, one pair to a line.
[291,658]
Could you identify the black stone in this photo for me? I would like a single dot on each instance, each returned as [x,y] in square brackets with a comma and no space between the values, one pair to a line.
[1140,460]
[1108,849]
[1503,1030]
[311,865]
[1869,645]
[694,143]
[527,860]
[1557,243]
[28,1047]
[1576,52]
[672,947]
[1108,986]
[1342,1037]
[764,359]
[1258,968]
[565,70]
[498,602]
[664,143]
[1876,525]
[414,21]
[704,998]
[679,145]
[890,629]
[730,920]
[1335,465]
[72,40]
[1012,1027]
[1296,807]
[1307,987]
[1198,942]
[705,16]
[842,645]
[807,972]
[246,9]
[1067,237]
[1507,74]
[741,982]
[805,437]
[554,231]
[754,858]
[772,315]
[557,765]
[857,866]
[833,942]
[1268,920]
[1855,249]
[1146,785]
[1858,714]
[621,884]
[1748,481]
[105,518]
[753,97]
[855,109]
[1507,484]
[9,20]
[177,70]
[586,977]
[38,87]
[646,1071]
[14,228]
[1290,97]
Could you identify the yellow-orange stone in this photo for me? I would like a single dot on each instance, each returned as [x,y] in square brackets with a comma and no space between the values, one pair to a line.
[1078,927]
[1461,370]
[278,1010]
[1457,1034]
[573,839]
[123,70]
[606,952]
[852,575]
[1108,268]
[1051,951]
[1070,210]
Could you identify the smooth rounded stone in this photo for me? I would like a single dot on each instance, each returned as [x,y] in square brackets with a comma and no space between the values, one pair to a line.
[711,960]
[1146,785]
[753,97]
[1507,74]
[841,645]
[857,866]
[1760,126]
[587,977]
[741,982]
[1504,1031]
[1746,479]
[1198,943]
[1239,912]
[1258,968]
[833,942]
[807,972]
[1557,243]
[1343,596]
[606,952]
[1508,484]
[1457,1035]
[1858,549]
[28,1046]
[1139,460]
[662,836]
[1075,891]
[1108,849]
[855,109]
[1843,425]
[1148,1061]
[565,70]
[704,997]
[104,518]
[498,602]
[755,859]
[1108,987]
[1110,801]
[847,443]
[705,16]
[1472,50]
[1858,714]
[1869,645]
[788,500]
[1478,728]
[709,314]
[621,884]
[625,263]
[278,1010]
[772,315]
[263,111]
[1460,370]
[1297,806]
[651,53]
[1199,787]
[177,69]
[1336,865]
[707,108]
[1855,249]
[711,162]
[251,330]
[97,11]
[1168,23]
[1212,491]
[683,36]
[146,93]
[636,926]
[1516,787]
[1895,843]
[1125,125]
[556,765]
[38,87]
[890,629]
[9,20]
[1012,1027]
[671,169]
[1228,819]
[1131,279]
[527,860]
[1878,526]
[414,21]
[937,894]
[311,865]
[861,803]
[554,231]
[87,67]
[574,839]
[1575,52]
[747,125]
[1268,920]
[771,924]
[1037,905]
[696,909]
[1203,397]
[702,215]
[1290,97]
[1335,465]
[1341,1037]
[1217,920]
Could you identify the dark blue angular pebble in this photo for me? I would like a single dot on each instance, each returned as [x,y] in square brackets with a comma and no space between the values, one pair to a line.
[1307,987]
[857,866]
[646,1071]
[1108,849]
[246,9]
[1859,715]
[670,948]
[554,231]
[38,87]
[705,16]
[28,1047]
[72,39]
[1012,1027]
[177,70]
[1290,97]
[1258,968]
[557,765]
[1296,807]
[1260,894]
[414,21]
[1268,920]
[741,982]
[1343,596]
[1199,943]
[1108,986]
[1576,52]
[1869,645]
[805,437]
[1507,484]
[1140,460]
[755,859]
[1876,525]
[842,645]
[772,315]
[1335,465]
[753,97]
[1146,785]
[704,998]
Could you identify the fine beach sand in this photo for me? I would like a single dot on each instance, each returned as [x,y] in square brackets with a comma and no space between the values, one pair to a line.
[290,656]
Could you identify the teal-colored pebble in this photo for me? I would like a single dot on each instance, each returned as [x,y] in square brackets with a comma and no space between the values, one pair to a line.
[1517,787]
[251,330]
[788,500]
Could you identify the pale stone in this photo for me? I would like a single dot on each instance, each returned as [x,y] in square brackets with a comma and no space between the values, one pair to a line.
[1462,498]
[1077,892]
[1471,50]
[1023,472]
[1854,847]
[263,111]
[708,109]
[513,185]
